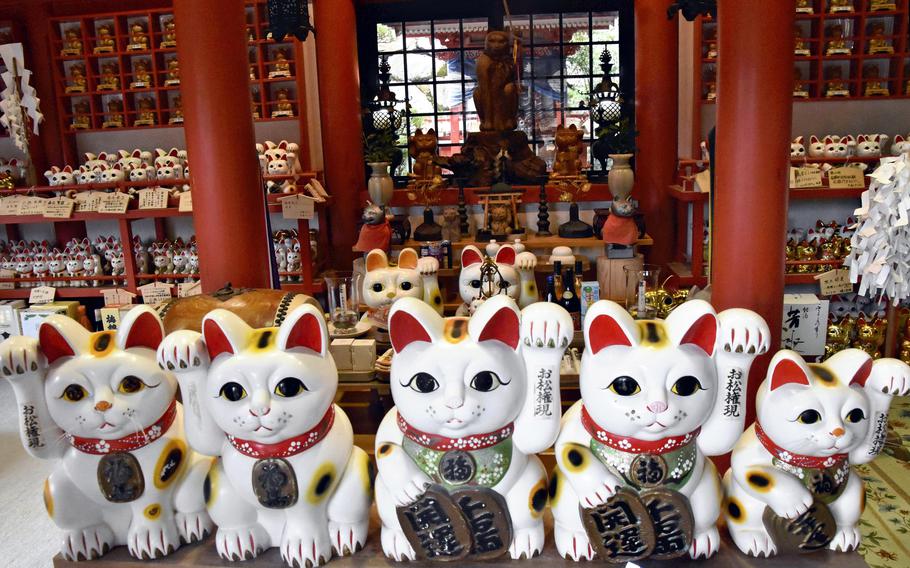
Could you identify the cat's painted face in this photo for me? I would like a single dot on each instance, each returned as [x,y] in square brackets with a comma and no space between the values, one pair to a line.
[649,379]
[797,148]
[456,377]
[815,409]
[270,384]
[470,281]
[105,385]
[384,284]
[866,146]
[836,148]
[816,147]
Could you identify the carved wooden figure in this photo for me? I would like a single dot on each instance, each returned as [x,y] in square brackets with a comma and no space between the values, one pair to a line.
[287,473]
[569,148]
[496,94]
[384,283]
[99,404]
[475,400]
[791,487]
[422,148]
[514,276]
[658,396]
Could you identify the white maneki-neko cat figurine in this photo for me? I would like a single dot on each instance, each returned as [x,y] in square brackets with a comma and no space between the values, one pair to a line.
[262,400]
[99,404]
[657,397]
[475,400]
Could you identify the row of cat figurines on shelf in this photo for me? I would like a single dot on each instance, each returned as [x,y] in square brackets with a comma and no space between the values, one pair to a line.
[833,146]
[458,476]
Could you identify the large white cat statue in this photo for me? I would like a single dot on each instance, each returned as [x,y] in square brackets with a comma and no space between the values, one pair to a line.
[475,400]
[261,400]
[99,404]
[790,487]
[657,398]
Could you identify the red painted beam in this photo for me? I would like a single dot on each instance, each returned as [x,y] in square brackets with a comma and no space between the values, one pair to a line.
[656,118]
[755,102]
[339,113]
[229,209]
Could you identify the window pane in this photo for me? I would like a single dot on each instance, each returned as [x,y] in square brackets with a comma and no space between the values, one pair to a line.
[546,28]
[417,36]
[577,92]
[420,98]
[447,34]
[606,26]
[420,67]
[475,30]
[577,60]
[575,28]
[388,37]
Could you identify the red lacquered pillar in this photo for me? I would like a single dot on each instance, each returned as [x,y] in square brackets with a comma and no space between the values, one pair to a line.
[656,118]
[228,209]
[755,103]
[339,112]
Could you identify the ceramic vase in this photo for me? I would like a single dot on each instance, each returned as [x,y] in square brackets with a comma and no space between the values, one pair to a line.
[380,185]
[621,177]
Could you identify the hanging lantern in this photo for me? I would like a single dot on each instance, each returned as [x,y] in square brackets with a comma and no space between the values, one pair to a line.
[382,110]
[606,103]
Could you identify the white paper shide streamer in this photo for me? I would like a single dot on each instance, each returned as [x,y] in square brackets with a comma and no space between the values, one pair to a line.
[881,243]
[18,101]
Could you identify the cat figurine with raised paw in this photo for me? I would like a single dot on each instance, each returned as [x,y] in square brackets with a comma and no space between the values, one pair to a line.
[633,479]
[791,487]
[516,270]
[99,404]
[475,399]
[384,283]
[261,401]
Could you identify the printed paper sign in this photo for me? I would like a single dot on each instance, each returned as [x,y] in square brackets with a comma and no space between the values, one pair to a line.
[846,177]
[805,177]
[4,274]
[153,198]
[59,208]
[42,295]
[298,207]
[835,282]
[114,203]
[155,293]
[117,296]
[186,202]
[31,206]
[187,289]
[805,324]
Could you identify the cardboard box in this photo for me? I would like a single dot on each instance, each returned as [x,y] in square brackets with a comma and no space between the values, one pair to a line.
[31,318]
[341,350]
[590,293]
[363,354]
[9,318]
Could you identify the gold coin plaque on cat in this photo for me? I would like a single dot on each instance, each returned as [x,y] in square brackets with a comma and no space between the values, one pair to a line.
[809,532]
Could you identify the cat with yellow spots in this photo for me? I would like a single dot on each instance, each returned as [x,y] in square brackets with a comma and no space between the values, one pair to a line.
[261,400]
[793,466]
[657,398]
[99,405]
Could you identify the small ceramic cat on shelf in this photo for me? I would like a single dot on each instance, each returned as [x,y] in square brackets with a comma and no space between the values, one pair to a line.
[385,283]
[288,474]
[475,400]
[516,270]
[99,404]
[790,487]
[657,397]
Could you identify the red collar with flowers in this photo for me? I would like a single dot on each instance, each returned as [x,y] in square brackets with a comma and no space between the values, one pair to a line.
[443,444]
[134,441]
[289,447]
[634,445]
[797,460]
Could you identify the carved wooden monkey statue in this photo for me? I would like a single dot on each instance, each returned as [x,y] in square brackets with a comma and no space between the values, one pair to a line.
[496,95]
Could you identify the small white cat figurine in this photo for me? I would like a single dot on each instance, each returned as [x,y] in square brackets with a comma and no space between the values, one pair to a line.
[385,283]
[475,399]
[900,145]
[516,270]
[837,147]
[868,146]
[99,404]
[816,147]
[657,398]
[797,148]
[791,470]
[287,473]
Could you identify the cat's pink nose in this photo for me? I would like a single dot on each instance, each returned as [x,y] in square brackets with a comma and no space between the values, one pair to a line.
[657,406]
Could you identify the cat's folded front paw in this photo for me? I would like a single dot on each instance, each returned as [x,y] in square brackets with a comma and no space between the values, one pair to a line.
[526,261]
[183,351]
[305,547]
[792,505]
[409,489]
[243,543]
[88,543]
[395,545]
[21,358]
[427,266]
[890,377]
[705,545]
[193,527]
[148,541]
[546,328]
[846,539]
[348,538]
[743,331]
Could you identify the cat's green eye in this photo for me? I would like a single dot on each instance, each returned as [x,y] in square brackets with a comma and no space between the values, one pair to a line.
[624,386]
[856,415]
[232,391]
[809,417]
[406,286]
[130,384]
[423,383]
[485,381]
[686,386]
[289,387]
[377,287]
[74,393]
